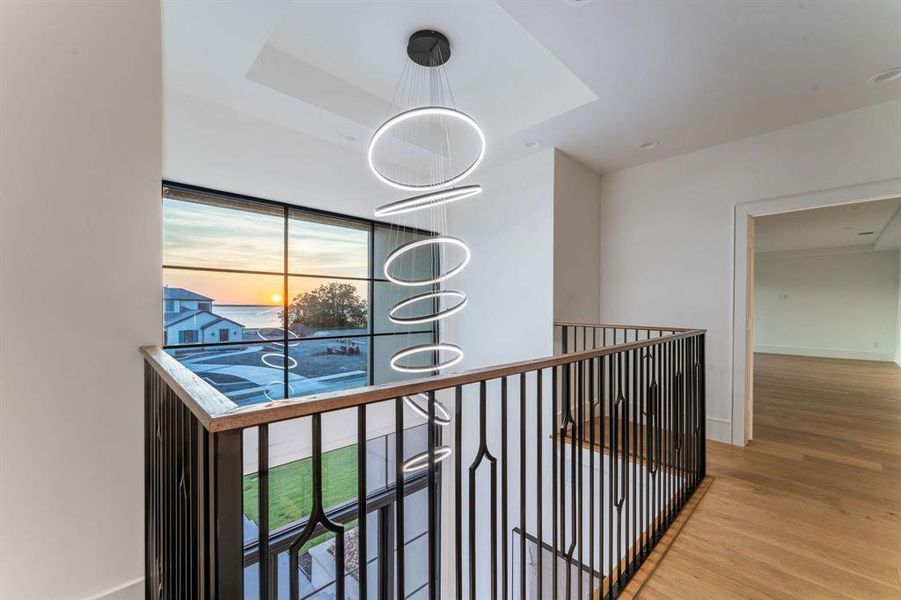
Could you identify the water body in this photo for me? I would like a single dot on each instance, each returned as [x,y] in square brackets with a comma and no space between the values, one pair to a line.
[250,316]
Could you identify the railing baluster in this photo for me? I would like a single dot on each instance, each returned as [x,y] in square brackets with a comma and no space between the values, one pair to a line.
[169,588]
[591,447]
[636,464]
[399,496]
[702,404]
[577,516]
[483,453]
[504,548]
[229,533]
[493,462]
[362,526]
[432,500]
[179,501]
[670,385]
[522,485]
[263,509]
[318,517]
[645,454]
[623,519]
[602,454]
[612,464]
[458,490]
[658,446]
[539,442]
[565,420]
[554,482]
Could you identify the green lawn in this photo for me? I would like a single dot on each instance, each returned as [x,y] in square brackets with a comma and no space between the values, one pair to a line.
[291,487]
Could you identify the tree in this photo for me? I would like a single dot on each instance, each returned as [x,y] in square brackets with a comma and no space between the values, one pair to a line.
[332,305]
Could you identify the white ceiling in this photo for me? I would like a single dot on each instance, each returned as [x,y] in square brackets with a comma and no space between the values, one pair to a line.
[693,74]
[831,227]
[592,78]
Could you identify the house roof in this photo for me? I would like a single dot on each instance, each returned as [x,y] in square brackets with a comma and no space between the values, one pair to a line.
[171,318]
[211,323]
[177,293]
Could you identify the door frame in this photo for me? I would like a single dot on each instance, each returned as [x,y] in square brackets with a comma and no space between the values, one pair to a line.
[743,280]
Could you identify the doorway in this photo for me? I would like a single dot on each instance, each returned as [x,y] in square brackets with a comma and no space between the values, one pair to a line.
[748,217]
[825,301]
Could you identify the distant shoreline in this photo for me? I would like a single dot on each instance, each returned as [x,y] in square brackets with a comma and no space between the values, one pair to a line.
[248,305]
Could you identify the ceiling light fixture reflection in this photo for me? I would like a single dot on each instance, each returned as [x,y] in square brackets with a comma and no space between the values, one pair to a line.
[292,362]
[421,461]
[421,349]
[425,111]
[417,403]
[436,316]
[886,76]
[277,383]
[429,200]
[410,246]
[275,342]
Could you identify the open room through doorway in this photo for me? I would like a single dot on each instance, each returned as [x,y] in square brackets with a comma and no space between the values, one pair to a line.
[824,317]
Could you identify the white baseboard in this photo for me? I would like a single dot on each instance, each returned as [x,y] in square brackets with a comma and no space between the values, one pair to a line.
[827,353]
[130,590]
[719,430]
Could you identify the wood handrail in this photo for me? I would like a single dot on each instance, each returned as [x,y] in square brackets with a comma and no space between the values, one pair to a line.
[617,326]
[218,413]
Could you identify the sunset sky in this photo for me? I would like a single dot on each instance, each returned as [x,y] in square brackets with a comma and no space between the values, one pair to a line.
[199,235]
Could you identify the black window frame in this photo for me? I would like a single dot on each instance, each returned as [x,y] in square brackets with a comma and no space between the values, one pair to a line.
[172,189]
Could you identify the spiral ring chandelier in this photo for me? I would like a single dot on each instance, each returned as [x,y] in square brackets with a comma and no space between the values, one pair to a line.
[436,316]
[432,241]
[424,112]
[428,115]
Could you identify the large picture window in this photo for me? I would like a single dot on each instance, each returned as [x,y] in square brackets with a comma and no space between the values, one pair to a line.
[265,300]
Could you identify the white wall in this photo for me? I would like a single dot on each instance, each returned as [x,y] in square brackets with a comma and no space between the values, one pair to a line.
[834,304]
[509,282]
[898,321]
[577,246]
[667,227]
[80,166]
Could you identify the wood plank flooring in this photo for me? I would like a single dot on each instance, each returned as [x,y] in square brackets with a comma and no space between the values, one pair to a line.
[811,508]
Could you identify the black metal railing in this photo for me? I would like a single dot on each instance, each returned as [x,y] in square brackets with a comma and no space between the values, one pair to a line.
[553,478]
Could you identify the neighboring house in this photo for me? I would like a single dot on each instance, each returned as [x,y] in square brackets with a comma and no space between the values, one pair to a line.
[188,318]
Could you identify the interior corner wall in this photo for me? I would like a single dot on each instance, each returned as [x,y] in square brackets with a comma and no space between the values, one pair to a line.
[667,231]
[898,321]
[80,168]
[577,246]
[831,304]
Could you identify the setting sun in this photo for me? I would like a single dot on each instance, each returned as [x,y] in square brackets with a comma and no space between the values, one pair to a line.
[276,298]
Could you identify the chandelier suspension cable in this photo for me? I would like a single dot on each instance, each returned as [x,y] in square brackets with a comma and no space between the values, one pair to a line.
[419,136]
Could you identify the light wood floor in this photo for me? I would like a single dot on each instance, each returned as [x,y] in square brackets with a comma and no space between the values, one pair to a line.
[812,507]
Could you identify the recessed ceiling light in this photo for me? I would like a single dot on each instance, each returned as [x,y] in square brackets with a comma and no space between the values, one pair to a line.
[887,75]
[578,2]
[648,145]
[346,137]
[866,233]
[532,144]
